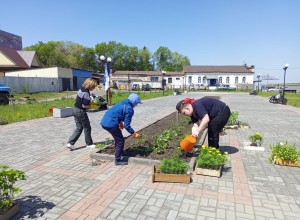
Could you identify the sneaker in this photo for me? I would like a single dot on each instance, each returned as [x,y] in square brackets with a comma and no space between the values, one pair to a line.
[121,163]
[70,146]
[91,146]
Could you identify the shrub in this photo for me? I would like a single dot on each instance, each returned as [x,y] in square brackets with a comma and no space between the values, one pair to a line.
[8,177]
[211,158]
[256,137]
[284,151]
[233,119]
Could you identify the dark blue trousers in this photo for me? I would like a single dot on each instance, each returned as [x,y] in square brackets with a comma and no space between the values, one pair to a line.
[119,141]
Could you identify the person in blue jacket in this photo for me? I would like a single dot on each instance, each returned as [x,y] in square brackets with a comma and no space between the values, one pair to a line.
[118,117]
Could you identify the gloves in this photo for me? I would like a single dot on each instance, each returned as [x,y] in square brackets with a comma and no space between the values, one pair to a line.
[121,125]
[195,132]
[136,135]
[93,106]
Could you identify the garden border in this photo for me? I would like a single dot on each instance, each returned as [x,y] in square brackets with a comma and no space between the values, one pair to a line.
[98,158]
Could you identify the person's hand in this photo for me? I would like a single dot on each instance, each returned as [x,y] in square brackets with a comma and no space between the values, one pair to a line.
[195,132]
[121,125]
[136,135]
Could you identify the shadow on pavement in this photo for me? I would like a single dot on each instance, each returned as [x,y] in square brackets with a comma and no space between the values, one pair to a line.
[32,207]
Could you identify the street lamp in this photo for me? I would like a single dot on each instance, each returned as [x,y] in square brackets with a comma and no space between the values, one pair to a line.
[285,68]
[258,77]
[106,80]
[163,81]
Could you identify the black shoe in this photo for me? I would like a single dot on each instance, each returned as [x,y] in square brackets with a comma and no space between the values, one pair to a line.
[121,162]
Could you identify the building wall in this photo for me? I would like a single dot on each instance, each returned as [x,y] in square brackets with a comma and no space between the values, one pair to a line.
[31,84]
[52,72]
[215,77]
[81,76]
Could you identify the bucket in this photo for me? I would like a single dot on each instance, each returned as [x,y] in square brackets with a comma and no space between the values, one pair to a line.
[188,143]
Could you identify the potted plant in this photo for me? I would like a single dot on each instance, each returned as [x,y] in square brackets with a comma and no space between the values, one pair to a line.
[255,142]
[8,177]
[285,154]
[210,161]
[172,170]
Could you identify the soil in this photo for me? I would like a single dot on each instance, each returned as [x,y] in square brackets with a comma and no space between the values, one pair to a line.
[134,147]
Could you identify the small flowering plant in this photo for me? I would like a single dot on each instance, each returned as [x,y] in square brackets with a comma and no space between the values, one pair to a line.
[256,139]
[211,158]
[284,151]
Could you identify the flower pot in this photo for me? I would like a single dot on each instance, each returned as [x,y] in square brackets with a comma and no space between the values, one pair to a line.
[11,212]
[287,162]
[171,178]
[208,172]
[188,143]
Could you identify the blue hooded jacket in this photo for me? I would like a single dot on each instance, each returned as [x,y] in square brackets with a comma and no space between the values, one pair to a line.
[122,111]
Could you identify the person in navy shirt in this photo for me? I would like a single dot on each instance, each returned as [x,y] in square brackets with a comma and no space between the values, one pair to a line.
[118,117]
[212,112]
[82,103]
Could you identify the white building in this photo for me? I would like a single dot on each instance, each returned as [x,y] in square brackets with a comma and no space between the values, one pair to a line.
[240,77]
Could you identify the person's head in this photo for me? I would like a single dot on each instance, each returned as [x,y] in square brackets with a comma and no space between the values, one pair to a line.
[90,84]
[135,99]
[184,107]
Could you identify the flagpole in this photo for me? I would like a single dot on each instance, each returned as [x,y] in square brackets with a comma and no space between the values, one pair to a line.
[106,80]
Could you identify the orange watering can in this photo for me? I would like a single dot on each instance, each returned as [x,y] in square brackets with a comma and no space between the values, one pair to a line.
[188,143]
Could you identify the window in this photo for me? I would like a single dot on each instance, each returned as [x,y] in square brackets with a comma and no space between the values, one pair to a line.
[237,79]
[220,80]
[204,80]
[244,80]
[227,79]
[199,79]
[177,78]
[190,79]
[154,78]
[169,80]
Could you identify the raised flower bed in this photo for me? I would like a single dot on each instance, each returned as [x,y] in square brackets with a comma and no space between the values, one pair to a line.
[171,170]
[210,161]
[285,154]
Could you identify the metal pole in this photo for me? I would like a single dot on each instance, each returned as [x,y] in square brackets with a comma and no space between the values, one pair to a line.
[283,82]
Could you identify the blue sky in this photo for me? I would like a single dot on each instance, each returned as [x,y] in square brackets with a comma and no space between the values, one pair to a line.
[264,33]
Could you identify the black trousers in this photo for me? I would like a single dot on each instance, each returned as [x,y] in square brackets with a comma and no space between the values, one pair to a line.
[215,126]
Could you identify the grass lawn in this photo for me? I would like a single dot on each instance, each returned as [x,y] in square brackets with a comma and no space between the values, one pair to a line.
[43,101]
[293,99]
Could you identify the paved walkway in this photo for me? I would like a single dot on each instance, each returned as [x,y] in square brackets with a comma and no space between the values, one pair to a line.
[63,184]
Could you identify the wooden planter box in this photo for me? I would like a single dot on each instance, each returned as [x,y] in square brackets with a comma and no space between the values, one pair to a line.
[62,112]
[171,178]
[208,172]
[11,212]
[287,163]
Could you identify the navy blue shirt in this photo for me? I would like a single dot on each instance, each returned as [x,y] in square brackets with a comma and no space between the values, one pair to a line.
[204,106]
[83,98]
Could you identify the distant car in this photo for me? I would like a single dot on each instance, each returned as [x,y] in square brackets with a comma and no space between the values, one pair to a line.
[225,87]
[146,87]
[275,89]
[198,87]
[135,87]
